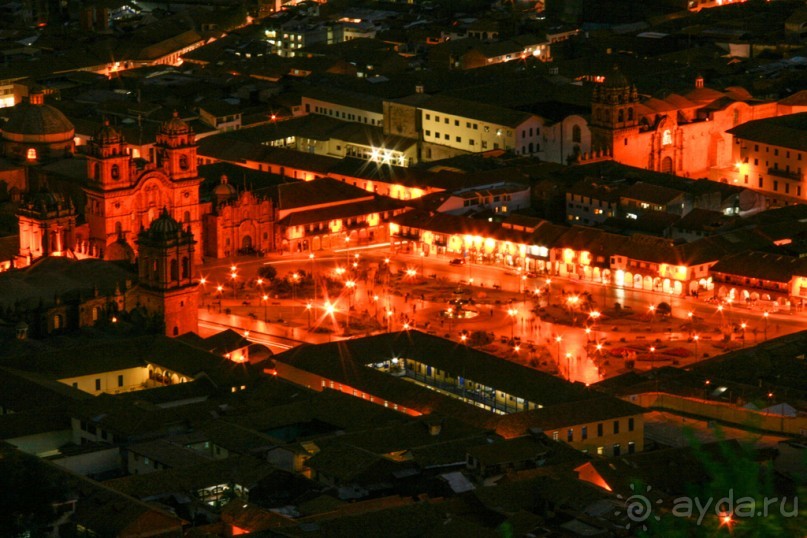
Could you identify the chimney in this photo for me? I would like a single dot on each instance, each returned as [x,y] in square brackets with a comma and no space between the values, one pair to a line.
[699,81]
[420,88]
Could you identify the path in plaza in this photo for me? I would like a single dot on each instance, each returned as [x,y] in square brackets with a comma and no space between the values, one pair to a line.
[288,319]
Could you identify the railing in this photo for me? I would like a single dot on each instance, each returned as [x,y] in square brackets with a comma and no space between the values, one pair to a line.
[783,173]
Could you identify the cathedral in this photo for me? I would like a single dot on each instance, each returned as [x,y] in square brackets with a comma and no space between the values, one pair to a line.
[680,134]
[123,199]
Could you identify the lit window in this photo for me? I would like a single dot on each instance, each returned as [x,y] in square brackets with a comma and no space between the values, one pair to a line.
[31,154]
[666,138]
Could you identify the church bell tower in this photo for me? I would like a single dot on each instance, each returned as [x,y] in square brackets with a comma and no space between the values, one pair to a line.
[614,114]
[165,268]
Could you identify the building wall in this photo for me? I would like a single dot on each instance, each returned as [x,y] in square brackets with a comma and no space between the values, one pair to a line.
[342,112]
[111,382]
[178,308]
[605,444]
[469,134]
[771,169]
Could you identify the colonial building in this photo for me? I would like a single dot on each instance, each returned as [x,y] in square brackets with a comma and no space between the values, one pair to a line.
[683,135]
[770,155]
[240,223]
[124,198]
[47,226]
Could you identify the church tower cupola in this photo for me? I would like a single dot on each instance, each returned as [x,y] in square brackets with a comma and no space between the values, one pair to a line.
[108,162]
[613,109]
[176,148]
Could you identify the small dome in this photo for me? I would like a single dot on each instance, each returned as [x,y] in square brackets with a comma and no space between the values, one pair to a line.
[164,227]
[224,189]
[45,200]
[175,125]
[35,118]
[108,135]
[616,79]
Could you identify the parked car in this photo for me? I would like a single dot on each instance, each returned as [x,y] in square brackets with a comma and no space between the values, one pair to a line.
[457,261]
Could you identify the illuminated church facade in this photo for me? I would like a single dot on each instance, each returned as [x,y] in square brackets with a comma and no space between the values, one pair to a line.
[680,134]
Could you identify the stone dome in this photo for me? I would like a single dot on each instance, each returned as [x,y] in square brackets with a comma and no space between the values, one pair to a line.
[164,227]
[616,79]
[224,191]
[31,121]
[175,125]
[107,135]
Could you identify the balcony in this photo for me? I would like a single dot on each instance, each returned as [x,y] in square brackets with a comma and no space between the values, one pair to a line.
[783,173]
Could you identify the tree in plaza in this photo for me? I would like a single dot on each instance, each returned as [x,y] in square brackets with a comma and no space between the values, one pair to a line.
[267,271]
[663,309]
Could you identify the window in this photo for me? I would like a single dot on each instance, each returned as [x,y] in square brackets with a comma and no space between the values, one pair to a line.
[630,424]
[428,116]
[428,133]
[584,433]
[437,118]
[600,451]
[437,134]
[456,123]
[617,449]
[631,447]
[472,142]
[97,384]
[446,121]
[120,380]
[459,139]
[476,128]
[599,429]
[57,321]
[666,138]
[31,154]
[775,185]
[576,134]
[115,171]
[446,136]
[555,436]
[616,427]
[569,435]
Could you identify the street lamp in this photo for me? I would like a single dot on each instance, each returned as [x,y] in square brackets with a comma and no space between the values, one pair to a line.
[652,309]
[219,289]
[765,315]
[569,366]
[375,300]
[652,357]
[265,300]
[558,339]
[308,308]
[422,255]
[233,275]
[696,338]
[512,312]
[350,285]
[313,277]
[743,326]
[203,281]
[294,279]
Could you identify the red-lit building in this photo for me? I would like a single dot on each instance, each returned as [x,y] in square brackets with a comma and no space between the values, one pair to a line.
[683,135]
